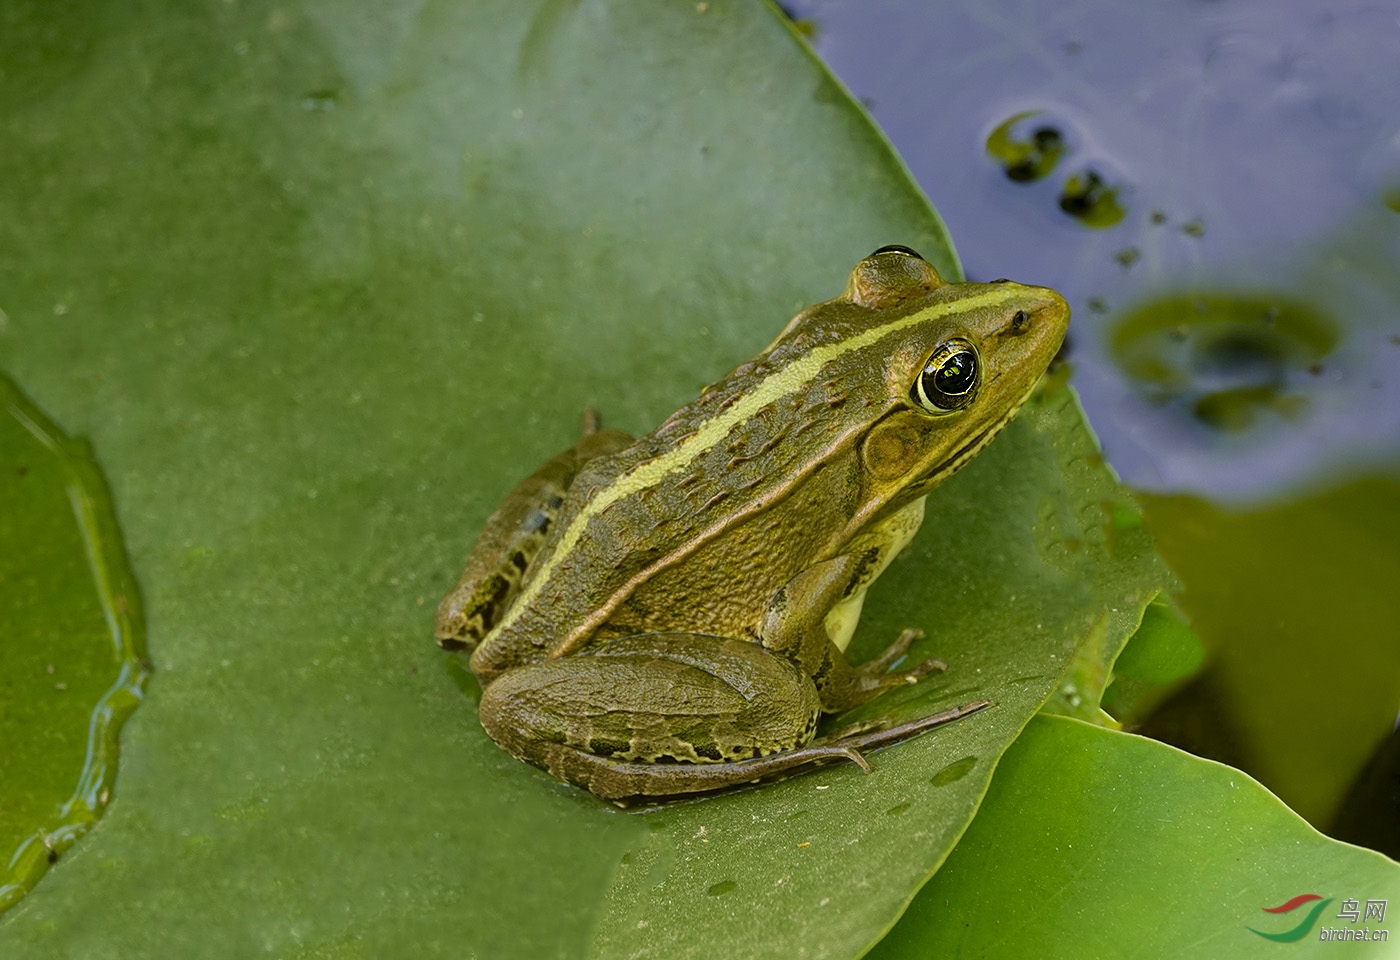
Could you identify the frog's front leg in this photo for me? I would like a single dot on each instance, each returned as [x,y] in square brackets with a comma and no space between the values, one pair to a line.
[796,626]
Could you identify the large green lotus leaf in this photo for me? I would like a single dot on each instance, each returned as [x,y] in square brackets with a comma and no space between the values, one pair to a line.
[1093,843]
[321,282]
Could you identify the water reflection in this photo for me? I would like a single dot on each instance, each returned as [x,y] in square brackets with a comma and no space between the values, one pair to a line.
[1028,147]
[1091,200]
[1226,361]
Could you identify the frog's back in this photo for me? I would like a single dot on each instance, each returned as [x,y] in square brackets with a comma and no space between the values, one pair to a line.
[637,546]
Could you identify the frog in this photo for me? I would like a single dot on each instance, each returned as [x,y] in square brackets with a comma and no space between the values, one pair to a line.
[655,617]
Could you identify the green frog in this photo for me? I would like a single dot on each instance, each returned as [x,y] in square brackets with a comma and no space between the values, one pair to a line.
[656,617]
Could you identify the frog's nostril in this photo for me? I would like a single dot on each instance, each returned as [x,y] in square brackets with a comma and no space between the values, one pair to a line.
[1020,322]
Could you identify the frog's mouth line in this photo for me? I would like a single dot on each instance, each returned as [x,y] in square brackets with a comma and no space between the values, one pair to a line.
[978,443]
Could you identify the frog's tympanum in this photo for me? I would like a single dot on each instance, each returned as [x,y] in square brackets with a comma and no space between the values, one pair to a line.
[667,615]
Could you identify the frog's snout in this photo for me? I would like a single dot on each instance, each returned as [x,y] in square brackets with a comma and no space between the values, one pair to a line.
[1040,312]
[1047,316]
[1049,307]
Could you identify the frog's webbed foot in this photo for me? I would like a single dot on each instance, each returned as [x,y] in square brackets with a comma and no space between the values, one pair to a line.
[877,666]
[852,729]
[874,676]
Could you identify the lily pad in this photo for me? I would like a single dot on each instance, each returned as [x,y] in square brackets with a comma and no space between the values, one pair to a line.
[1093,843]
[337,277]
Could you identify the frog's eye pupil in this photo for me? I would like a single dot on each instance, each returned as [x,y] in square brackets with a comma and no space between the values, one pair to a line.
[957,374]
[949,379]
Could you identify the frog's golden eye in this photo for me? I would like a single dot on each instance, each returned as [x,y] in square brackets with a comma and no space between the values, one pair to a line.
[949,380]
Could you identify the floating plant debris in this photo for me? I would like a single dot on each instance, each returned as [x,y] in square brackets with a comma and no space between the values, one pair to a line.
[1029,156]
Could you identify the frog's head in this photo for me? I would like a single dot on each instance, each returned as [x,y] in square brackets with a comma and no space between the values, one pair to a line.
[957,361]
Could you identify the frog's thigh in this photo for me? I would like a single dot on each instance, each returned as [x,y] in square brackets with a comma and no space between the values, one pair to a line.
[510,541]
[665,699]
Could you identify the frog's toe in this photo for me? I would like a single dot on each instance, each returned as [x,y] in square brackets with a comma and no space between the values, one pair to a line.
[883,734]
[932,665]
[877,681]
[900,678]
[875,671]
[891,654]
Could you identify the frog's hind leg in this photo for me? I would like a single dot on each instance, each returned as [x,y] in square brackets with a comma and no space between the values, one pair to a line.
[654,714]
[512,538]
[625,782]
[666,715]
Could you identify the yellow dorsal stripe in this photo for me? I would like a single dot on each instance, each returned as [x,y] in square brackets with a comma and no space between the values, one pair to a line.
[791,378]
